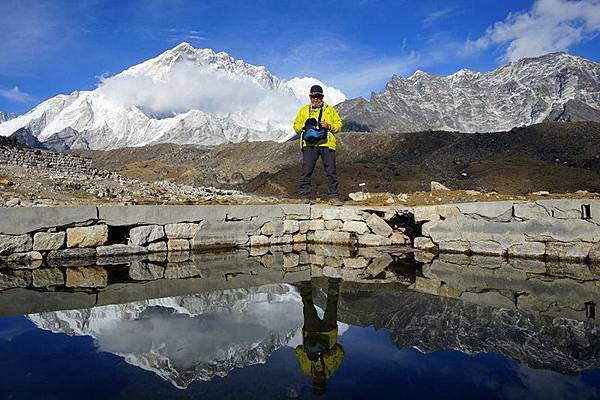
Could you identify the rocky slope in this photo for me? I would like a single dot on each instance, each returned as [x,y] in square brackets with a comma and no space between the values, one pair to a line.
[560,157]
[185,95]
[218,331]
[555,86]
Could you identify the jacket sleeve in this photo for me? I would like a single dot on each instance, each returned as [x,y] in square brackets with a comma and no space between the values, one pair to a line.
[299,121]
[336,121]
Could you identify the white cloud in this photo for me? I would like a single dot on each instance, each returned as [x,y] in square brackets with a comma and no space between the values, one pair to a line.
[301,88]
[15,94]
[189,86]
[439,14]
[550,26]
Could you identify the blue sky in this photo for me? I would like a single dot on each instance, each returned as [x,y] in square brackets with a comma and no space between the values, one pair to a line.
[53,47]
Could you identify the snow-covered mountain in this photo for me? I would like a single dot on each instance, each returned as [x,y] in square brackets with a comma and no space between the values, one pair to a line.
[555,86]
[5,116]
[301,88]
[189,338]
[185,96]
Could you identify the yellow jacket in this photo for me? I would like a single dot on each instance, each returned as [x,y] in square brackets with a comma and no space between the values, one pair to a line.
[331,359]
[329,115]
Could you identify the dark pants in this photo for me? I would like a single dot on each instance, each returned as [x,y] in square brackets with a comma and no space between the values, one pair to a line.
[312,322]
[310,155]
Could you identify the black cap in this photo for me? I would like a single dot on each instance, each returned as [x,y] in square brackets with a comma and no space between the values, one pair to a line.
[316,90]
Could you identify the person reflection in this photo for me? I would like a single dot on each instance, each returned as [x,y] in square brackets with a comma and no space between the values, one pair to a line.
[319,354]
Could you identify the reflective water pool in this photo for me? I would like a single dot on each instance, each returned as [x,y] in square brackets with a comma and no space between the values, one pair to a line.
[453,327]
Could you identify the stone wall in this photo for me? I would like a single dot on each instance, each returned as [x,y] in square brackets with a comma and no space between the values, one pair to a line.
[562,229]
[546,229]
[44,159]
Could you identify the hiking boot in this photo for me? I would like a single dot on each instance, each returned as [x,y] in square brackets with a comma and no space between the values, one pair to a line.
[334,201]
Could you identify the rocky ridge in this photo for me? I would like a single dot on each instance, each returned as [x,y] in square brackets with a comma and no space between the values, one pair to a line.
[556,87]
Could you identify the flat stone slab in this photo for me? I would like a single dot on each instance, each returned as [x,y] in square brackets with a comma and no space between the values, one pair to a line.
[21,220]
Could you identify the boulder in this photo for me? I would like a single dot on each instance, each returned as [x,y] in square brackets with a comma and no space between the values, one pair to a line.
[425,243]
[87,236]
[43,241]
[15,243]
[399,238]
[15,279]
[157,247]
[436,186]
[378,226]
[142,235]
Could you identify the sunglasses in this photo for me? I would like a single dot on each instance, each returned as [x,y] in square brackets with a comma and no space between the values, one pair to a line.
[316,96]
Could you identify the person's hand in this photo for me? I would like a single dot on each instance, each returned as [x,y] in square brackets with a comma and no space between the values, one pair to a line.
[325,124]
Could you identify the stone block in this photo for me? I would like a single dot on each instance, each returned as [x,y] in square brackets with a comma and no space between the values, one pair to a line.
[299,238]
[143,271]
[425,285]
[490,210]
[378,226]
[296,211]
[182,230]
[423,256]
[28,260]
[44,277]
[316,225]
[142,235]
[399,238]
[331,237]
[576,251]
[334,262]
[303,226]
[317,259]
[272,228]
[330,250]
[257,251]
[358,227]
[285,239]
[44,241]
[178,256]
[87,277]
[225,234]
[259,240]
[291,260]
[267,261]
[178,245]
[15,244]
[119,250]
[182,270]
[334,225]
[21,220]
[425,243]
[594,254]
[487,247]
[87,236]
[291,226]
[370,239]
[527,250]
[378,265]
[530,211]
[15,279]
[454,246]
[573,270]
[157,247]
[343,213]
[358,263]
[71,257]
[528,265]
[158,257]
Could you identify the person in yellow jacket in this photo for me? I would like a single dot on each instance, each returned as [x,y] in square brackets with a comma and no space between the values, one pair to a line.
[319,354]
[317,123]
